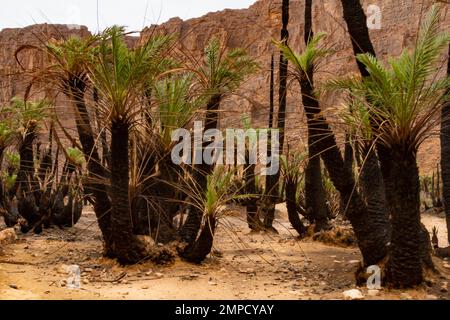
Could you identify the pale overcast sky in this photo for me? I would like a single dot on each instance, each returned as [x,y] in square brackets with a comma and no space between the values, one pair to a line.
[132,13]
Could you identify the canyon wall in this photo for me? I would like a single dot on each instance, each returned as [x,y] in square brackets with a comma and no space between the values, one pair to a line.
[255,27]
[252,29]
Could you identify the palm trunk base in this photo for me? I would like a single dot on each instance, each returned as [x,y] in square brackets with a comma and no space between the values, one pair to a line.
[197,251]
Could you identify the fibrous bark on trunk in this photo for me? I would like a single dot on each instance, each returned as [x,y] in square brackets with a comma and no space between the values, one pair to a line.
[97,174]
[445,155]
[125,246]
[401,176]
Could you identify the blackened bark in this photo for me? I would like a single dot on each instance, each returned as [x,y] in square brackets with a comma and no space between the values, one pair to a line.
[25,178]
[95,185]
[106,156]
[292,206]
[125,246]
[373,192]
[271,94]
[273,180]
[401,176]
[348,155]
[193,222]
[356,21]
[199,249]
[314,190]
[371,240]
[270,181]
[254,223]
[445,154]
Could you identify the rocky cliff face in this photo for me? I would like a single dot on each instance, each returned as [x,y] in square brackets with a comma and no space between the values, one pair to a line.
[13,81]
[253,29]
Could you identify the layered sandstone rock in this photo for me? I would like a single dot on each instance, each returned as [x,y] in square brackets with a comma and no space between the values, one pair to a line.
[253,29]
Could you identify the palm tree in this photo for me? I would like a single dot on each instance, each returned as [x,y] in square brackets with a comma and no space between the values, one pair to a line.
[371,237]
[219,75]
[120,76]
[273,180]
[304,72]
[68,60]
[370,177]
[210,202]
[445,153]
[314,190]
[174,104]
[29,116]
[403,102]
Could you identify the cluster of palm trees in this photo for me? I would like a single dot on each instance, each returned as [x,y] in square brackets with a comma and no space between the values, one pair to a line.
[33,193]
[390,111]
[139,96]
[129,100]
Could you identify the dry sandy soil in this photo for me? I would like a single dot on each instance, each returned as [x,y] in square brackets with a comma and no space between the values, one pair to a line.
[245,266]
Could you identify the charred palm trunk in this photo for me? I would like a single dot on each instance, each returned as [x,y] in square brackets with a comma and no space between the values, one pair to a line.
[125,246]
[292,206]
[254,223]
[25,178]
[97,174]
[106,156]
[371,238]
[356,21]
[314,190]
[198,250]
[273,180]
[401,176]
[445,155]
[373,191]
[193,222]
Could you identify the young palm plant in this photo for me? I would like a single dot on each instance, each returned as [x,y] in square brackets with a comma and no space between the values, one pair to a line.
[292,169]
[210,202]
[219,75]
[404,102]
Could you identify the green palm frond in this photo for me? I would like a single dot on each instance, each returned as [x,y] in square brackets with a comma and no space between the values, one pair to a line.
[76,156]
[403,98]
[304,61]
[28,114]
[13,159]
[176,103]
[7,133]
[121,75]
[219,191]
[222,71]
[293,164]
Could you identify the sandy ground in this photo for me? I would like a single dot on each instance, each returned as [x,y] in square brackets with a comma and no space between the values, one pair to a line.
[247,266]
